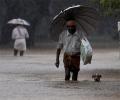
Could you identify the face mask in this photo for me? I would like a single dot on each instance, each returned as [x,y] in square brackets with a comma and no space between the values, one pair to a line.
[71,30]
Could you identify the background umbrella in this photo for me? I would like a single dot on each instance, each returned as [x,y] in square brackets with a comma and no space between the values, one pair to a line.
[19,21]
[86,18]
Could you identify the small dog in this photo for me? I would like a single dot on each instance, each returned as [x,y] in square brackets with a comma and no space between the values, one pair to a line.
[96,77]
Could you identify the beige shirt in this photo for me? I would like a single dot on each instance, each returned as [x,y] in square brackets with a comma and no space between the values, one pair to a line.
[69,43]
[19,34]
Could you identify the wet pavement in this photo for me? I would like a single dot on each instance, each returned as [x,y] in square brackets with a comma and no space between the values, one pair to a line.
[34,77]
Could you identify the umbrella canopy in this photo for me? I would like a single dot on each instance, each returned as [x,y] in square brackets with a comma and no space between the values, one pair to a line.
[19,21]
[86,18]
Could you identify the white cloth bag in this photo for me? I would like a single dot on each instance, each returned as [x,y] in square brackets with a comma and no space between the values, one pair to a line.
[86,51]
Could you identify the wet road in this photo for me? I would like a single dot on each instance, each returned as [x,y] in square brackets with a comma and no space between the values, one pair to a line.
[34,77]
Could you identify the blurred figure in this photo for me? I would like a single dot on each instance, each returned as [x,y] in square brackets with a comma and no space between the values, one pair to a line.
[19,35]
[70,42]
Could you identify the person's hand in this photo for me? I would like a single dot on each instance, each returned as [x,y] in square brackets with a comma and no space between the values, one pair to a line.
[57,63]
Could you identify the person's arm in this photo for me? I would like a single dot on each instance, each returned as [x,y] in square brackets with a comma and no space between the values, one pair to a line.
[57,58]
[27,34]
[59,48]
[13,34]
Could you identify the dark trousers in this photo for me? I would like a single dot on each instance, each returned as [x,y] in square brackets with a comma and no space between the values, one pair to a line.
[21,53]
[16,52]
[72,66]
[68,72]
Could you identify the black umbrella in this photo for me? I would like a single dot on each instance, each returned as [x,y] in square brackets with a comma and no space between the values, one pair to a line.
[86,18]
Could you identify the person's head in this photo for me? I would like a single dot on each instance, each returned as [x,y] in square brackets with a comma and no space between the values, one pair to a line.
[71,26]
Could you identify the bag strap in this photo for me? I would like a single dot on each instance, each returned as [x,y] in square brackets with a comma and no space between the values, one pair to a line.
[19,31]
[83,36]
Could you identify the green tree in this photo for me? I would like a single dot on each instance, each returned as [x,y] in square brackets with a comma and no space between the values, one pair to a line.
[108,7]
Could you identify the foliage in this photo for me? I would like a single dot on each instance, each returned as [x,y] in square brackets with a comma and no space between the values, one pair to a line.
[109,7]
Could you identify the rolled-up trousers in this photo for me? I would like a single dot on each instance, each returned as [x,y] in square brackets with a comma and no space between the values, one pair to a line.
[71,64]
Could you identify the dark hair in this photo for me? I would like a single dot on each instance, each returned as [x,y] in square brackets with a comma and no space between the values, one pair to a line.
[69,16]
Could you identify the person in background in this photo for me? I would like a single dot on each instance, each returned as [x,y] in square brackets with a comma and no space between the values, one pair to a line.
[19,35]
[70,42]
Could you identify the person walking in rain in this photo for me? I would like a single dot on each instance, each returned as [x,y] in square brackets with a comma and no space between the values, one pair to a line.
[19,35]
[70,41]
[78,19]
